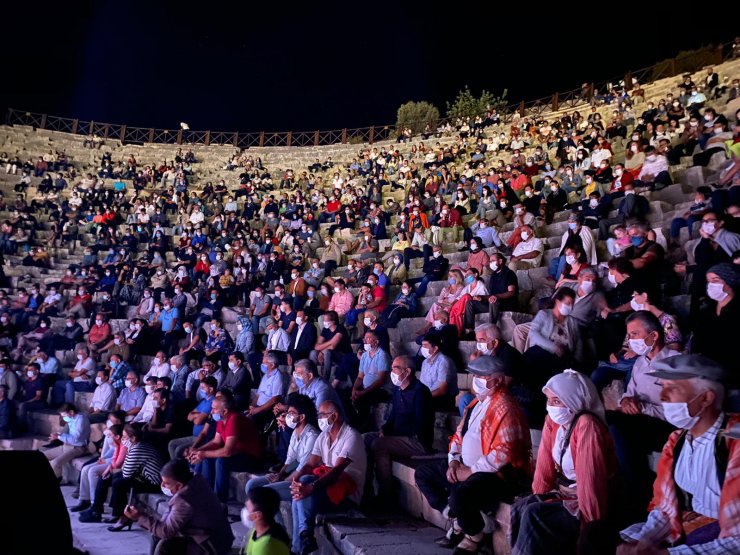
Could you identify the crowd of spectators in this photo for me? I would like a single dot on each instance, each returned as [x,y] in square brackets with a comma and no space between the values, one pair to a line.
[307,392]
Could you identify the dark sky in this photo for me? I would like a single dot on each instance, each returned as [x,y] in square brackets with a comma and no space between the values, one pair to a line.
[322,65]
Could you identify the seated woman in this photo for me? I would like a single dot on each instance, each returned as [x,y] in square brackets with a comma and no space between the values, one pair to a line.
[396,271]
[475,289]
[403,307]
[110,462]
[572,504]
[449,295]
[29,341]
[140,473]
[554,344]
[575,261]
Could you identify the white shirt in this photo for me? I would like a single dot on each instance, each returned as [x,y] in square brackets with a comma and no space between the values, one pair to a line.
[696,471]
[645,388]
[87,366]
[568,468]
[348,445]
[471,449]
[278,340]
[147,410]
[298,334]
[158,370]
[526,247]
[104,398]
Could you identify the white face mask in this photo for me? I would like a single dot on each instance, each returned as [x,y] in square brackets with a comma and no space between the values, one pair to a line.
[636,306]
[716,292]
[678,415]
[129,383]
[30,374]
[98,380]
[570,259]
[438,324]
[324,425]
[327,325]
[587,286]
[425,352]
[525,235]
[299,320]
[612,279]
[639,347]
[480,387]
[565,309]
[246,519]
[483,348]
[396,379]
[148,389]
[337,290]
[708,228]
[560,415]
[494,266]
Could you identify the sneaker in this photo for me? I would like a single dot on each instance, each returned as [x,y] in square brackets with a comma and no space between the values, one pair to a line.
[308,543]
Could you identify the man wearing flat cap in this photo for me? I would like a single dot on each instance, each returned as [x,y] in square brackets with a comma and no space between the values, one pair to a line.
[696,500]
[489,460]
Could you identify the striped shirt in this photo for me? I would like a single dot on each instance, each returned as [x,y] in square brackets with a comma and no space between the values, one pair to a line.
[143,461]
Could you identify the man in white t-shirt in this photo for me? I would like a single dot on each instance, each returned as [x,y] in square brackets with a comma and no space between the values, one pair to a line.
[339,460]
[528,253]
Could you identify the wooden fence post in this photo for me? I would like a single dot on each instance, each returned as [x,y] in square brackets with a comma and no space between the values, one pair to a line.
[344,136]
[208,138]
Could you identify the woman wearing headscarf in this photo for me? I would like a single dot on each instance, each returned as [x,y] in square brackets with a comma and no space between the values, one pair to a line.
[575,464]
[715,333]
[244,342]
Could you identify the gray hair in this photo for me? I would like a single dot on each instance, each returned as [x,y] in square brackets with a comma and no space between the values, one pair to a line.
[589,271]
[273,358]
[308,365]
[178,360]
[700,385]
[491,331]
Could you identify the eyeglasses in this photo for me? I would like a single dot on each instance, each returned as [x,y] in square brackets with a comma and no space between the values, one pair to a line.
[324,414]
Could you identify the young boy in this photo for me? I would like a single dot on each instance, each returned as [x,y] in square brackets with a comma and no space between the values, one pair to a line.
[266,536]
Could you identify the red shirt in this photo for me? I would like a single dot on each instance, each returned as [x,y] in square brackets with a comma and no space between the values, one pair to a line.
[333,206]
[247,436]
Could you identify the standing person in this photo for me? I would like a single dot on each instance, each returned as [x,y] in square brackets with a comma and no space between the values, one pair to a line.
[194,521]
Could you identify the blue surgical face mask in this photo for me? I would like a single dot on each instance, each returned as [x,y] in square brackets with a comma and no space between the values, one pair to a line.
[636,241]
[216,417]
[263,367]
[572,226]
[67,418]
[299,382]
[309,294]
[451,281]
[469,279]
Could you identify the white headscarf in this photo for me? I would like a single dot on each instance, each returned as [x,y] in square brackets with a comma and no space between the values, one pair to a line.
[577,392]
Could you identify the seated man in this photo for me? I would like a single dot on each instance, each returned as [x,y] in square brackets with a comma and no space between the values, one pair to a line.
[371,386]
[332,344]
[638,426]
[273,387]
[408,431]
[198,416]
[236,447]
[489,460]
[194,520]
[438,373]
[301,418]
[528,253]
[8,417]
[503,291]
[104,398]
[70,443]
[696,486]
[80,378]
[132,397]
[334,473]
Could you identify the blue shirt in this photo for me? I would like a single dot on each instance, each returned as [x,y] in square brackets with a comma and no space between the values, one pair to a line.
[373,366]
[131,399]
[51,366]
[167,317]
[437,370]
[204,407]
[78,431]
[272,385]
[319,391]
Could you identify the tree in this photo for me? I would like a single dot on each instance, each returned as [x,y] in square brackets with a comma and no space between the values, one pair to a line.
[416,116]
[467,105]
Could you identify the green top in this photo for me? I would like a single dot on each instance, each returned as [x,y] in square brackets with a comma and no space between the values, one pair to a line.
[268,544]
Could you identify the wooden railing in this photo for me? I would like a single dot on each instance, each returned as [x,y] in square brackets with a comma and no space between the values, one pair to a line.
[686,63]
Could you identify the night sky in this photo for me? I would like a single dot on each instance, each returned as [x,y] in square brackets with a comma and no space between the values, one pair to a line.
[321,65]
